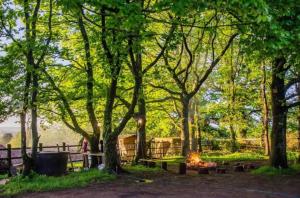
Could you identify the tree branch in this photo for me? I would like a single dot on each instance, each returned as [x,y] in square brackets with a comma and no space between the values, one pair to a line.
[165,89]
[49,36]
[213,64]
[163,48]
[291,83]
[295,104]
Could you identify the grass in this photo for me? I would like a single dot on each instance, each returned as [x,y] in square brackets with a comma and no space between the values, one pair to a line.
[221,156]
[75,165]
[233,157]
[39,183]
[3,176]
[141,168]
[271,171]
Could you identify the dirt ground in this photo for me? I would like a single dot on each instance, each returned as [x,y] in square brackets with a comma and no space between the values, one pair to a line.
[168,184]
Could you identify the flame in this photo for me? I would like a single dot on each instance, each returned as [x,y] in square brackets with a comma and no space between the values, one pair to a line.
[193,160]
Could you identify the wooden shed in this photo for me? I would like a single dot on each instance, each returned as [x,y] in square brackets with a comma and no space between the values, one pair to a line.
[161,147]
[127,147]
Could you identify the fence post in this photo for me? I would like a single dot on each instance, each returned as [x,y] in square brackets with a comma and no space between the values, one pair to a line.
[9,163]
[162,149]
[101,146]
[64,146]
[40,147]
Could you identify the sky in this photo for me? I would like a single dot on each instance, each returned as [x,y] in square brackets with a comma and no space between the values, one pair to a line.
[10,122]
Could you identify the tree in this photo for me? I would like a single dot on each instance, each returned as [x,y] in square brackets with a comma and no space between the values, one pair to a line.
[33,53]
[188,56]
[275,39]
[265,112]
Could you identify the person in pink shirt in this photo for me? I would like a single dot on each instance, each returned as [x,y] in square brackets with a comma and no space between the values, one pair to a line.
[85,154]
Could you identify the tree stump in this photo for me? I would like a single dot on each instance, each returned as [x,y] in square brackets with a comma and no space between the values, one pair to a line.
[250,166]
[221,170]
[203,170]
[239,168]
[182,168]
[212,168]
[151,164]
[164,165]
[143,162]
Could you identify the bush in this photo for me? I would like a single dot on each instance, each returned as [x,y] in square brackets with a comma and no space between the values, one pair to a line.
[215,145]
[292,156]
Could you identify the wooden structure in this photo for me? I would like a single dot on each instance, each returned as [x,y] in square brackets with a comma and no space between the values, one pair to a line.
[127,144]
[161,147]
[12,156]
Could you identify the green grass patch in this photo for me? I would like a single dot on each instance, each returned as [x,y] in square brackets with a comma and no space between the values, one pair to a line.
[233,157]
[172,159]
[75,165]
[271,171]
[39,183]
[3,176]
[221,156]
[141,169]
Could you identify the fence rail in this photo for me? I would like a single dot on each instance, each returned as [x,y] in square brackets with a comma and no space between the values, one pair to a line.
[12,156]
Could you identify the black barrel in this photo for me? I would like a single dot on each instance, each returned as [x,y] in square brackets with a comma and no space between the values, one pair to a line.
[51,163]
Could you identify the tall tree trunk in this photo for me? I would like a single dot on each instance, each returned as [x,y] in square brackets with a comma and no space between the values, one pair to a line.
[30,34]
[185,134]
[233,138]
[25,158]
[198,126]
[299,133]
[279,115]
[110,136]
[265,113]
[110,141]
[94,140]
[94,146]
[141,133]
[298,90]
[193,126]
[112,158]
[34,115]
[232,106]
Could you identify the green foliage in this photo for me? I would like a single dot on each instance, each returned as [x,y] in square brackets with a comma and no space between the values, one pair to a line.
[215,145]
[228,103]
[271,171]
[292,156]
[39,183]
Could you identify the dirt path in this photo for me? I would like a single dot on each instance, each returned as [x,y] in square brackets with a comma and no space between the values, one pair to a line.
[172,185]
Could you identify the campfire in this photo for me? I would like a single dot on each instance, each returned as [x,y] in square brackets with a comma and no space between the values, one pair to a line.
[193,161]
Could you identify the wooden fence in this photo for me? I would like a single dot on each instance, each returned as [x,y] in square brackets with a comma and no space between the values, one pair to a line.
[154,150]
[14,158]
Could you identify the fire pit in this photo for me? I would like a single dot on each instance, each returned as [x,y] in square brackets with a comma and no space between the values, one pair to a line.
[194,162]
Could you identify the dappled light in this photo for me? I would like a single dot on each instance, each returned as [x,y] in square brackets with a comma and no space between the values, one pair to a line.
[149,98]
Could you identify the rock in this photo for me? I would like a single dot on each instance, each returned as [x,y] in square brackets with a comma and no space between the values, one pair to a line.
[3,181]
